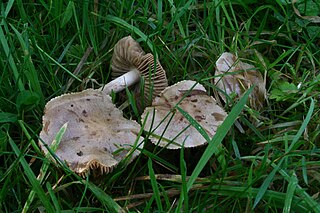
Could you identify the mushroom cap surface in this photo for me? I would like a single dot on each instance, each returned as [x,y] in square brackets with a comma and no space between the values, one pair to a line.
[95,130]
[128,55]
[175,129]
[237,78]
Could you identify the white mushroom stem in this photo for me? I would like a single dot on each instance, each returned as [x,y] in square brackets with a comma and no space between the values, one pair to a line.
[120,83]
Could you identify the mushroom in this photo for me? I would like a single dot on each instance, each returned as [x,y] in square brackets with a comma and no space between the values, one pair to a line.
[171,131]
[129,62]
[98,137]
[236,77]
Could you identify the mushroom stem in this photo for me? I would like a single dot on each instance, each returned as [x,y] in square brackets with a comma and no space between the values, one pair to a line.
[123,81]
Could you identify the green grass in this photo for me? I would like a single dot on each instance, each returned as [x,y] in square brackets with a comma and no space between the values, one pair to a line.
[48,48]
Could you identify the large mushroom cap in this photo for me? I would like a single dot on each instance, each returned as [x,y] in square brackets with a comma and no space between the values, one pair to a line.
[129,56]
[238,77]
[193,99]
[96,130]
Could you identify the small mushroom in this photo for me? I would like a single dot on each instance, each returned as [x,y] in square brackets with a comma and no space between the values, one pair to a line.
[174,130]
[129,62]
[237,77]
[98,137]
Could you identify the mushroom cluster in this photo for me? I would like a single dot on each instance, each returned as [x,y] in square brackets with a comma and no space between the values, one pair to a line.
[98,137]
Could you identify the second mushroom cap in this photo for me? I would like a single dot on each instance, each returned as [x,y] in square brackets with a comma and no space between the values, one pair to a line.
[172,130]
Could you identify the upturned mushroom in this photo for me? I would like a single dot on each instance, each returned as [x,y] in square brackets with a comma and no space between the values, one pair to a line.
[236,77]
[174,130]
[129,63]
[98,137]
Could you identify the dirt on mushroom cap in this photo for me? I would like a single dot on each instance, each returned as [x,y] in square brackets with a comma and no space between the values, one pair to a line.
[96,129]
[161,122]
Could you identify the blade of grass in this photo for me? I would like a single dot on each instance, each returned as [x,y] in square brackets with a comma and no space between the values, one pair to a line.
[219,136]
[8,117]
[132,102]
[304,170]
[293,182]
[13,66]
[176,15]
[53,197]
[31,177]
[31,72]
[272,196]
[303,126]
[235,149]
[67,14]
[57,63]
[204,134]
[280,58]
[112,206]
[266,183]
[8,8]
[25,131]
[312,204]
[45,166]
[154,184]
[83,194]
[122,23]
[183,203]
[315,206]
[148,206]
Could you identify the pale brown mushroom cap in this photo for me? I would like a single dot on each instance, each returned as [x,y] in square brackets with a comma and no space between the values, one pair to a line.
[197,104]
[240,82]
[95,130]
[126,53]
[128,56]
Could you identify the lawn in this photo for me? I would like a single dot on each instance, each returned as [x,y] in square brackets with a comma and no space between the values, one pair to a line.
[260,160]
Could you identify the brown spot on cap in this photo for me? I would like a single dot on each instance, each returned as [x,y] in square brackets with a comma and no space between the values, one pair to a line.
[193,92]
[200,118]
[46,125]
[218,116]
